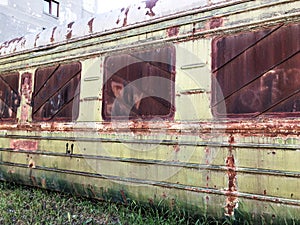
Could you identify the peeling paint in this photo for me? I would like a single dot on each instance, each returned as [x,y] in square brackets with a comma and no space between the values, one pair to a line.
[28,145]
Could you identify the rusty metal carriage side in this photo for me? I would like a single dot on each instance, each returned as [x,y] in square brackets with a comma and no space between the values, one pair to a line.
[209,156]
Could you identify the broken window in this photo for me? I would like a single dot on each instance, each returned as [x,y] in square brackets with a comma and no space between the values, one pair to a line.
[9,96]
[257,72]
[56,93]
[51,7]
[139,84]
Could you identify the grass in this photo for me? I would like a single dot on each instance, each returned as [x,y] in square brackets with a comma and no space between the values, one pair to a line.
[28,205]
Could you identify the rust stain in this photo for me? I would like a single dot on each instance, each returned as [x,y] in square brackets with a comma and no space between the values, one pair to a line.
[69,34]
[231,200]
[150,4]
[215,22]
[7,43]
[125,17]
[23,43]
[70,25]
[36,38]
[90,24]
[52,35]
[173,31]
[231,173]
[231,204]
[27,145]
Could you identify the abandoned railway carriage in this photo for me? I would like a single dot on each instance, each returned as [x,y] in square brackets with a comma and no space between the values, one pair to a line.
[196,103]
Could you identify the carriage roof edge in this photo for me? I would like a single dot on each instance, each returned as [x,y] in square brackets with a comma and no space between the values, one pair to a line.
[134,14]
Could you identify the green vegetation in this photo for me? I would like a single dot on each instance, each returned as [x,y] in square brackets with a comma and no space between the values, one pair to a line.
[28,205]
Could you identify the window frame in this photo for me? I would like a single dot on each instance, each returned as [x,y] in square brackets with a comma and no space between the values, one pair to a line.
[14,100]
[171,78]
[50,9]
[38,111]
[260,71]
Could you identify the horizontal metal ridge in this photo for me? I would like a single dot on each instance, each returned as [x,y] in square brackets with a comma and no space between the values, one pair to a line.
[283,146]
[197,166]
[224,192]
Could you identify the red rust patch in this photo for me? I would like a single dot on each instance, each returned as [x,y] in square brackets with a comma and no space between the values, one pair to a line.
[36,38]
[24,145]
[215,22]
[173,31]
[231,203]
[52,35]
[231,200]
[90,24]
[231,173]
[125,18]
[69,34]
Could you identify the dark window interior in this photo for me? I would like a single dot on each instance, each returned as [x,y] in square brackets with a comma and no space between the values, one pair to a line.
[139,84]
[56,93]
[257,72]
[9,96]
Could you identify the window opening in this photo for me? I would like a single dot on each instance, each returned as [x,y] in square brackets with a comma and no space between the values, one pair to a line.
[139,84]
[9,96]
[257,73]
[51,7]
[56,93]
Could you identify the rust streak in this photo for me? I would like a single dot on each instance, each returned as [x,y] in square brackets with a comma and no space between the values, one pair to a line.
[90,24]
[125,17]
[52,35]
[69,34]
[36,38]
[231,200]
